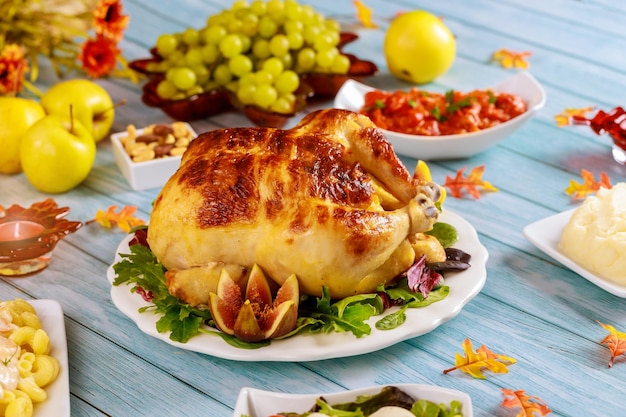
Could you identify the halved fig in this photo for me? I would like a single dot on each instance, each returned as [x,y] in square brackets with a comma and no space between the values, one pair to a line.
[255,317]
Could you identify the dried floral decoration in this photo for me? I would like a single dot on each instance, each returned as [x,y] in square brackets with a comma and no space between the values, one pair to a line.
[123,219]
[474,363]
[510,59]
[364,14]
[471,183]
[588,186]
[566,116]
[59,32]
[13,66]
[530,405]
[615,341]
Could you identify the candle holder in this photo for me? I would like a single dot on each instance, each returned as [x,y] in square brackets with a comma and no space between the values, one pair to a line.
[29,235]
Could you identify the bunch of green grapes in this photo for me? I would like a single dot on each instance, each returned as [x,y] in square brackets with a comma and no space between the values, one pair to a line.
[256,50]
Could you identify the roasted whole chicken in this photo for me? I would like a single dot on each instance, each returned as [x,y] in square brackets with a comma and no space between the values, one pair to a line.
[327,200]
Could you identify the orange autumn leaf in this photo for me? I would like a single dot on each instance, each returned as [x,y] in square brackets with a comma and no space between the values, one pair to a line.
[511,59]
[528,404]
[588,186]
[473,363]
[565,117]
[364,14]
[615,341]
[123,219]
[471,183]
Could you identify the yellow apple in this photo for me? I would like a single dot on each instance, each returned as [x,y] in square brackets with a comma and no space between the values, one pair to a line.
[92,105]
[57,154]
[16,116]
[419,47]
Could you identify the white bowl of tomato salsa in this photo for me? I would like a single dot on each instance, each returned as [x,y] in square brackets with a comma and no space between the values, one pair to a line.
[433,146]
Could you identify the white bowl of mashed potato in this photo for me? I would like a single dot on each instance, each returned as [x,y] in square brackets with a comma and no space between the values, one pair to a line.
[595,236]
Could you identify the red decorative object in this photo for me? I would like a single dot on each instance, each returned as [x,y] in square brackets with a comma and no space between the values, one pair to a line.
[220,100]
[614,124]
[29,235]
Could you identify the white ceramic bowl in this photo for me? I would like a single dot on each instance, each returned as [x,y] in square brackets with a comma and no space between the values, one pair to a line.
[257,403]
[148,174]
[351,97]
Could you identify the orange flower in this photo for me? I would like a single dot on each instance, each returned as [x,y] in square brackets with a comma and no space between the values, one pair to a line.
[108,19]
[99,56]
[13,65]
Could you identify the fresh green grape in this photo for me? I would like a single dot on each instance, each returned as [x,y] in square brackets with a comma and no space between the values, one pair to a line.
[287,60]
[246,42]
[305,60]
[324,58]
[196,89]
[250,23]
[183,78]
[194,57]
[295,39]
[166,44]
[232,86]
[291,26]
[292,10]
[276,9]
[166,89]
[323,42]
[267,27]
[265,95]
[245,93]
[231,45]
[202,73]
[210,53]
[240,65]
[279,45]
[307,14]
[310,33]
[340,64]
[263,77]
[281,105]
[235,26]
[261,49]
[274,66]
[239,4]
[214,34]
[258,7]
[247,79]
[332,26]
[222,74]
[191,36]
[287,82]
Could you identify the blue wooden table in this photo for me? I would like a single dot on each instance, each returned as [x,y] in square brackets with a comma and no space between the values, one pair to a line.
[531,308]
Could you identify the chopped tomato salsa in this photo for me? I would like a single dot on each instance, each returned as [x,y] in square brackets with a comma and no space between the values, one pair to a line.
[418,112]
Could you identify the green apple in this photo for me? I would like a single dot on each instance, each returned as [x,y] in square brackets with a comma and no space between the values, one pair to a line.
[16,116]
[57,154]
[92,105]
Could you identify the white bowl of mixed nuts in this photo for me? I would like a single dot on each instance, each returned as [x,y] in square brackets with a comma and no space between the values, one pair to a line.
[148,157]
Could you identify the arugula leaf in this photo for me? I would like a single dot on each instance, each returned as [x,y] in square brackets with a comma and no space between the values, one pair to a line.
[141,269]
[392,320]
[445,233]
[425,408]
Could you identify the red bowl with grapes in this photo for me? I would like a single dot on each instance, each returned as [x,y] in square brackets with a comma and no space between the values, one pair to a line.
[213,102]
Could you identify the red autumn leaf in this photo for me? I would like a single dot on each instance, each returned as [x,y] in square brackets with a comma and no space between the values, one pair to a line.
[511,59]
[565,117]
[528,404]
[471,183]
[588,186]
[615,341]
[123,219]
[364,14]
[474,363]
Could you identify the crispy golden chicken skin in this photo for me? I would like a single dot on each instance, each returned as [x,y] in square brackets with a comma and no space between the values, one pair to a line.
[327,200]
